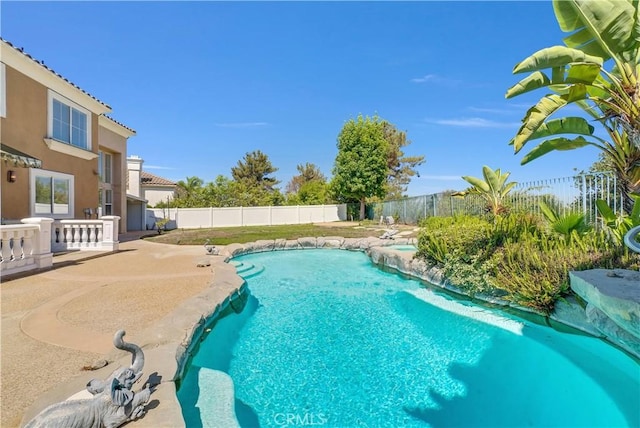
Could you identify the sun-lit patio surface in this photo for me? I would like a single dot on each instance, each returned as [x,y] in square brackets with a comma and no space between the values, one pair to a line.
[56,322]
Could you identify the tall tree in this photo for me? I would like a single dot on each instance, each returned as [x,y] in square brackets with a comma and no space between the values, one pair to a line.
[602,32]
[306,173]
[254,170]
[401,167]
[189,192]
[361,167]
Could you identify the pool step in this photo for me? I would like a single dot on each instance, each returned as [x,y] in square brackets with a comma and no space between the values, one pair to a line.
[244,267]
[250,273]
[216,400]
[246,270]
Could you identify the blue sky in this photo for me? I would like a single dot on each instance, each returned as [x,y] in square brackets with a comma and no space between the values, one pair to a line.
[203,83]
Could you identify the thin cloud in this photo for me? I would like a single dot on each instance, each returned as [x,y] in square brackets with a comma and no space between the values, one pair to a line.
[493,110]
[240,124]
[473,122]
[424,78]
[157,167]
[434,78]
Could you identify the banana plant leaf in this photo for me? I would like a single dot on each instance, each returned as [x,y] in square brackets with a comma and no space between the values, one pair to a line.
[560,144]
[477,183]
[605,210]
[585,73]
[555,56]
[565,125]
[535,80]
[602,28]
[536,115]
[495,179]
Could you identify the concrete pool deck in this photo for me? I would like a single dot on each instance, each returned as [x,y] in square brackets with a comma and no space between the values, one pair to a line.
[58,321]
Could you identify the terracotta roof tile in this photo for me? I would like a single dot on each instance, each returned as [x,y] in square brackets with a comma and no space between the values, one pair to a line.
[42,64]
[147,179]
[121,124]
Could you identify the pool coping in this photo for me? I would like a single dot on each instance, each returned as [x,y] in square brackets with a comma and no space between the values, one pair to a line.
[170,343]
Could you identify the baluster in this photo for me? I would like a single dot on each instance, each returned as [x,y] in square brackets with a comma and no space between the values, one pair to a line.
[76,236]
[99,233]
[16,247]
[84,236]
[92,235]
[6,249]
[68,235]
[27,244]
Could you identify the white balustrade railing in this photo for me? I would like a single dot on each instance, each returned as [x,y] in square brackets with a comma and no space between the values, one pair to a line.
[25,246]
[31,245]
[87,235]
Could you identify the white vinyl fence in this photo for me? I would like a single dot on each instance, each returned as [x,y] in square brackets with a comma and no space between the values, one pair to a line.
[193,218]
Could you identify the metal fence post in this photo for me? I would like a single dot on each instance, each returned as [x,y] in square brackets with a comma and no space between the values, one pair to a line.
[584,195]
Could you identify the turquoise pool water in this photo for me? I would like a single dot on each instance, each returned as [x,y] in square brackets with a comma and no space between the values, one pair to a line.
[327,339]
[401,247]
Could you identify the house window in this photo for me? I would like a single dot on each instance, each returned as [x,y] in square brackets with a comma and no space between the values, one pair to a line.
[108,202]
[105,171]
[68,122]
[52,193]
[105,197]
[104,167]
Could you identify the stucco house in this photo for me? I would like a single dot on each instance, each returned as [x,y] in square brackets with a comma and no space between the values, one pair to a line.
[62,157]
[156,189]
[152,188]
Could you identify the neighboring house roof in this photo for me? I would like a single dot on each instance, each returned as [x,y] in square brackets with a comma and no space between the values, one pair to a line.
[136,198]
[147,179]
[42,64]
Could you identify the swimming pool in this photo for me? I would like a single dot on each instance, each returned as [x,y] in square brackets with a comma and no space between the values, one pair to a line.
[328,339]
[403,247]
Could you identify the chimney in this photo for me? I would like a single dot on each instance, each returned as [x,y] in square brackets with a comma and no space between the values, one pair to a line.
[134,169]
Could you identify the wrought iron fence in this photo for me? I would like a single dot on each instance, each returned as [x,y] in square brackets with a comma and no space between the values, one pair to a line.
[567,194]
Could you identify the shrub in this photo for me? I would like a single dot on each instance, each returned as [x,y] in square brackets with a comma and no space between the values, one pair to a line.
[516,256]
[461,237]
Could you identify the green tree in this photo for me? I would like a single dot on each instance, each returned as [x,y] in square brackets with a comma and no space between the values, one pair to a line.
[313,193]
[189,193]
[401,167]
[255,183]
[306,173]
[308,187]
[222,192]
[360,169]
[493,189]
[602,32]
[255,170]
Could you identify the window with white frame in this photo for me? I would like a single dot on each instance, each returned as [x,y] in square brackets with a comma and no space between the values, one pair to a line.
[51,194]
[3,91]
[105,160]
[68,122]
[105,198]
[105,171]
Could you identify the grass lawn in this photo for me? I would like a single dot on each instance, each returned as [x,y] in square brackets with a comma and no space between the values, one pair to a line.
[241,235]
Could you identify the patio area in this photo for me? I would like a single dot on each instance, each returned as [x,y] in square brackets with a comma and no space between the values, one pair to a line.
[59,322]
